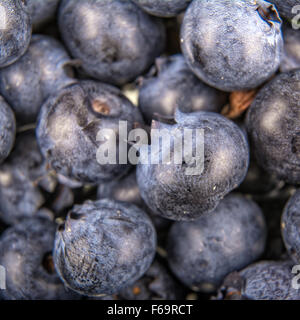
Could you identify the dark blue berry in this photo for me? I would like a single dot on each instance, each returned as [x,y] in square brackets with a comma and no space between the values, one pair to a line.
[265,280]
[203,252]
[272,124]
[232,45]
[41,71]
[169,191]
[7,129]
[15,30]
[173,85]
[69,124]
[25,253]
[115,40]
[21,177]
[103,247]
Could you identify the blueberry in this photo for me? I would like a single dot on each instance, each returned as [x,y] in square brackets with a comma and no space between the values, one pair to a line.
[45,64]
[291,57]
[115,40]
[169,191]
[203,252]
[7,129]
[42,11]
[15,30]
[165,9]
[25,252]
[70,122]
[285,7]
[265,280]
[173,86]
[272,124]
[290,226]
[232,45]
[156,284]
[103,247]
[20,178]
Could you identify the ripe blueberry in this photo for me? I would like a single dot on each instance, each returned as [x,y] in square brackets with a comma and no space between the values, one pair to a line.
[15,30]
[273,126]
[25,252]
[203,252]
[265,280]
[69,126]
[7,129]
[232,45]
[45,64]
[170,192]
[173,86]
[103,247]
[115,40]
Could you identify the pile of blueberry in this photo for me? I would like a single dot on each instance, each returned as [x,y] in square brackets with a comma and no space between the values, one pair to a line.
[72,227]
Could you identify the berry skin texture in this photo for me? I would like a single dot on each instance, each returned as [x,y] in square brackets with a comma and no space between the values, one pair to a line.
[175,86]
[69,124]
[290,227]
[24,249]
[272,124]
[45,65]
[7,129]
[265,280]
[170,192]
[164,9]
[115,40]
[232,45]
[42,11]
[15,31]
[291,57]
[203,252]
[103,247]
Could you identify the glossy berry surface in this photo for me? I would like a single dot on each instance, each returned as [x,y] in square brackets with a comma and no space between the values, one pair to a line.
[25,252]
[174,85]
[169,191]
[232,45]
[116,40]
[272,124]
[290,226]
[103,247]
[69,126]
[165,9]
[203,252]
[265,280]
[15,31]
[7,129]
[45,64]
